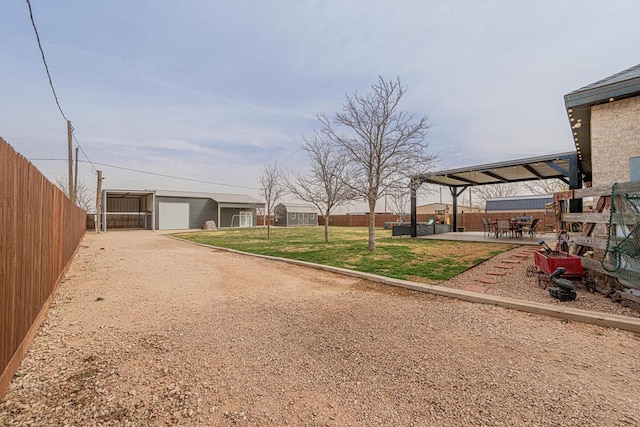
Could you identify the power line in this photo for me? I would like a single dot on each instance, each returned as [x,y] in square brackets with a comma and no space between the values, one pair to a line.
[55,95]
[175,177]
[150,173]
[85,154]
[46,67]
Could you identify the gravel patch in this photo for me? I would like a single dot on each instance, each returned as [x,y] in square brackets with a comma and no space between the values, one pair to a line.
[516,284]
[147,330]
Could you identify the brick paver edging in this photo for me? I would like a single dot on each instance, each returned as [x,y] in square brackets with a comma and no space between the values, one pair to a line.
[577,315]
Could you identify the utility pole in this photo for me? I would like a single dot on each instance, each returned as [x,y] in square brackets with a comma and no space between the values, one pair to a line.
[75,179]
[70,149]
[99,202]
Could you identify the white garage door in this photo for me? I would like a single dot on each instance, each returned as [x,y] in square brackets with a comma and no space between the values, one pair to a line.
[173,216]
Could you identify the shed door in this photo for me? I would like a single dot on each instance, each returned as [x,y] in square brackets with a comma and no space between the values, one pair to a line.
[173,216]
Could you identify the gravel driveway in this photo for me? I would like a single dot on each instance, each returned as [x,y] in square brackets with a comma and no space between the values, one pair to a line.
[147,330]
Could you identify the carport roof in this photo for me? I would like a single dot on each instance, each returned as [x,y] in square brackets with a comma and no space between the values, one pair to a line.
[127,193]
[218,197]
[528,169]
[228,198]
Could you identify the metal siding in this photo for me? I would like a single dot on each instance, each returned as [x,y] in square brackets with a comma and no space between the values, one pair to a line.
[517,205]
[226,216]
[200,210]
[122,205]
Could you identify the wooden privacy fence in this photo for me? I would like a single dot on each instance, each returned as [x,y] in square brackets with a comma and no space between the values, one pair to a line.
[40,229]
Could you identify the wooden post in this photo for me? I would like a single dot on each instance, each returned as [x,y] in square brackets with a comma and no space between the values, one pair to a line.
[99,202]
[70,155]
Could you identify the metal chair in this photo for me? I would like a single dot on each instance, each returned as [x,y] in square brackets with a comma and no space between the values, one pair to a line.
[503,226]
[487,227]
[531,228]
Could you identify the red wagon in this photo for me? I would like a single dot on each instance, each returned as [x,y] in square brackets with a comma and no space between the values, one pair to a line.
[547,262]
[550,262]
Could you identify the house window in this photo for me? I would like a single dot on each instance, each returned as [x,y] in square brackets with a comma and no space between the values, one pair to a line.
[634,164]
[293,215]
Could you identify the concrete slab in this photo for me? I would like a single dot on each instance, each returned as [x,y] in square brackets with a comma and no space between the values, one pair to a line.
[478,236]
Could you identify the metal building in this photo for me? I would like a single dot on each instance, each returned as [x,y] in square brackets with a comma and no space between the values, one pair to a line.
[519,204]
[176,210]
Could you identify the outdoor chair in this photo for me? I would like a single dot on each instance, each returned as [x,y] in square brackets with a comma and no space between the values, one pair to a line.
[503,227]
[531,229]
[487,227]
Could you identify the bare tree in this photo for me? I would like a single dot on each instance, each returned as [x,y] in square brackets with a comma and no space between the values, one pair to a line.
[272,187]
[84,199]
[484,192]
[399,199]
[546,186]
[382,144]
[325,186]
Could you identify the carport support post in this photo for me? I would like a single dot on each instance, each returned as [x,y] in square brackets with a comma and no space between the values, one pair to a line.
[153,211]
[99,202]
[454,195]
[414,210]
[104,211]
[575,205]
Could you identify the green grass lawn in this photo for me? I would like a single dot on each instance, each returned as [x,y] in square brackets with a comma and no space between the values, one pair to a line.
[428,261]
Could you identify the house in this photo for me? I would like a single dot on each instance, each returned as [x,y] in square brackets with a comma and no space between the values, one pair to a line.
[605,124]
[518,204]
[176,210]
[292,214]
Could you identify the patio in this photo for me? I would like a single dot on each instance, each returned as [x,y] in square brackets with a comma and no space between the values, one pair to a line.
[479,236]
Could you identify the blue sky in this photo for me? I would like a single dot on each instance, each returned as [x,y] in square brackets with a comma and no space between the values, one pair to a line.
[212,90]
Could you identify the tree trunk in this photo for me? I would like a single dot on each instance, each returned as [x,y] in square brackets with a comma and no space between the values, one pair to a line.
[268,219]
[372,228]
[326,229]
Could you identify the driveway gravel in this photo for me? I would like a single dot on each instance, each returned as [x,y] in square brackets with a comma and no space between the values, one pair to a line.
[148,330]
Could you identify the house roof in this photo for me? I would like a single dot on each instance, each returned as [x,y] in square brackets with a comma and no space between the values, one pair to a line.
[299,207]
[625,84]
[518,203]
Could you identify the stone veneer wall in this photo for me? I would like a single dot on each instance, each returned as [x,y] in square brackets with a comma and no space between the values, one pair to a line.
[615,138]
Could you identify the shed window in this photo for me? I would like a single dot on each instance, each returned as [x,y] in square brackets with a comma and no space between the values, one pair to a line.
[293,215]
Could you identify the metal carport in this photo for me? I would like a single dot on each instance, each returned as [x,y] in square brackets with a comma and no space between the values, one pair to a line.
[139,203]
[563,166]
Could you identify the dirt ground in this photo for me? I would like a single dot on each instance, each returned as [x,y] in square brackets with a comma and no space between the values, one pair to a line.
[147,330]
